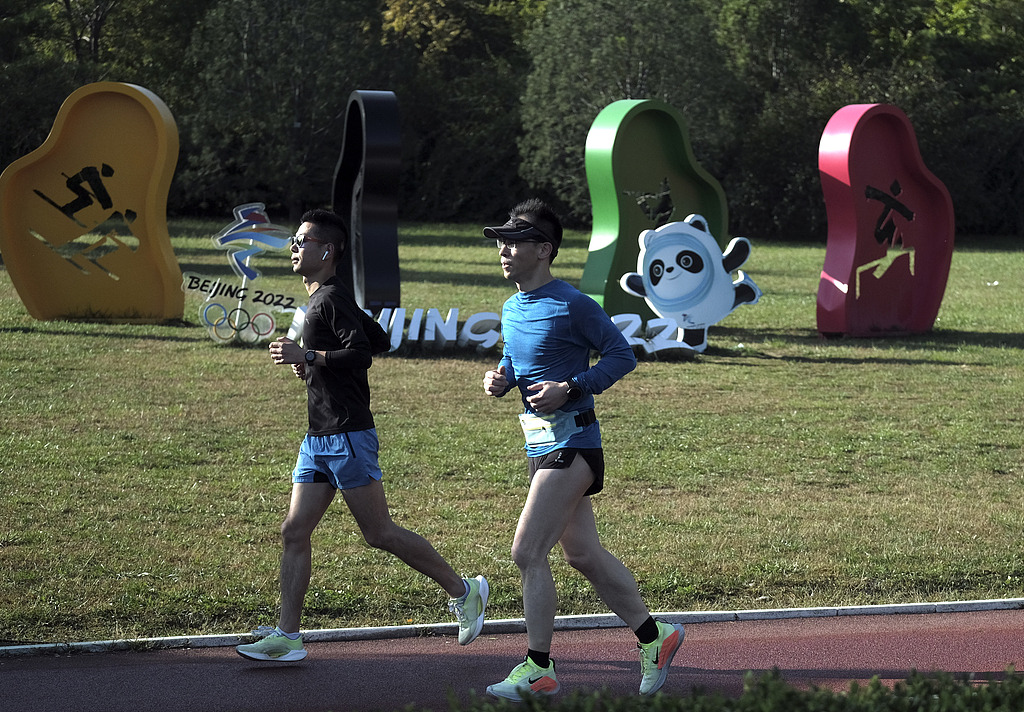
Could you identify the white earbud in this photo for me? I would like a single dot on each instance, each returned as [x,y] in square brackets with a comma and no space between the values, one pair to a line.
[324,257]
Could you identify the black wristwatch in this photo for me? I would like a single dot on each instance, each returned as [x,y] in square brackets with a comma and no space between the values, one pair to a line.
[574,392]
[310,357]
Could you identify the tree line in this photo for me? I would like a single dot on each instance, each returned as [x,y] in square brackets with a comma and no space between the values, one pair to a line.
[496,96]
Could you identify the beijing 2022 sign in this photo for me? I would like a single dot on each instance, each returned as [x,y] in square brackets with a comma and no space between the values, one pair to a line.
[242,311]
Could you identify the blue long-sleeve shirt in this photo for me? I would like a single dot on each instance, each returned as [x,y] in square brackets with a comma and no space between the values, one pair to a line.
[549,334]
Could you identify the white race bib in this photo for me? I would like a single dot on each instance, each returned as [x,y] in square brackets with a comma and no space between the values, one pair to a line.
[548,429]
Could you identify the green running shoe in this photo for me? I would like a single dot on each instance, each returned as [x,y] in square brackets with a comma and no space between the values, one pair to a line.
[470,609]
[527,680]
[276,647]
[655,657]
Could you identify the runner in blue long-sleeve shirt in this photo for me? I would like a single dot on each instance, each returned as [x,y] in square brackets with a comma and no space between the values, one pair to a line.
[550,329]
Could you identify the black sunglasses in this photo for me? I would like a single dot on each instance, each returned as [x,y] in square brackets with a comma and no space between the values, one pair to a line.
[301,240]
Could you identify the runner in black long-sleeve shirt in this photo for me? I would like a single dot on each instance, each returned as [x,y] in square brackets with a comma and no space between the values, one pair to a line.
[339,451]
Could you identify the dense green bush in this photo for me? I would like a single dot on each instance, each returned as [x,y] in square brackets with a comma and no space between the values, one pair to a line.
[758,82]
[497,96]
[770,693]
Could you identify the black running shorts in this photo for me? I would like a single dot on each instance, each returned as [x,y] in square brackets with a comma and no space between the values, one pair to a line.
[561,459]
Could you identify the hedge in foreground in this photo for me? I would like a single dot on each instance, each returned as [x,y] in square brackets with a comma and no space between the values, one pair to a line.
[770,693]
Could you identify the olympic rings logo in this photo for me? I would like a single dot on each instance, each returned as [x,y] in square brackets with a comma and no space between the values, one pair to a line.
[236,324]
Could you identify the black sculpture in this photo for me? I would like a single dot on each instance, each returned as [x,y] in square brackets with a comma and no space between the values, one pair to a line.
[366,190]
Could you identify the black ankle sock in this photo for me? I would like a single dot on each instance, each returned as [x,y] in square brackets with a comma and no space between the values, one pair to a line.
[648,631]
[539,659]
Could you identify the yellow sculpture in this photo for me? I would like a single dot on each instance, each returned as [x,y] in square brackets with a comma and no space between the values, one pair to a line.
[83,218]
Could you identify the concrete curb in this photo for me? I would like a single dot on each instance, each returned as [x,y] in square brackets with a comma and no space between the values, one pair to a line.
[512,625]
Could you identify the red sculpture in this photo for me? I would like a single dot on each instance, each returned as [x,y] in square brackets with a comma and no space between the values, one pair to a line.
[890,227]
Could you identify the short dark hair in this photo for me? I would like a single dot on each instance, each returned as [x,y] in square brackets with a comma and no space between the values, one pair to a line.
[543,217]
[330,227]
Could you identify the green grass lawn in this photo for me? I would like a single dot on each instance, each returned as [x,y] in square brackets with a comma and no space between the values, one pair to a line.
[146,468]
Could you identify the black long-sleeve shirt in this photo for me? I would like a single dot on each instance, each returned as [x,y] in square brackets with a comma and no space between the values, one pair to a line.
[338,391]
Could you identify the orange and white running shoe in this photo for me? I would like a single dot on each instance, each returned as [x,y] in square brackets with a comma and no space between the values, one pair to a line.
[528,679]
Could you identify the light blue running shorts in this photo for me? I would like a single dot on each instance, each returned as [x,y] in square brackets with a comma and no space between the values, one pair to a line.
[344,460]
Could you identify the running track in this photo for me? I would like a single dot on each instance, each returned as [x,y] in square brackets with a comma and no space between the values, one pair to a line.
[386,670]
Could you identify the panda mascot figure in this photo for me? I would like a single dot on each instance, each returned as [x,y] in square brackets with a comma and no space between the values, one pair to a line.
[683,275]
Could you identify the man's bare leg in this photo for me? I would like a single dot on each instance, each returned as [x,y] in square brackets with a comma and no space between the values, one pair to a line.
[610,578]
[309,502]
[370,508]
[553,497]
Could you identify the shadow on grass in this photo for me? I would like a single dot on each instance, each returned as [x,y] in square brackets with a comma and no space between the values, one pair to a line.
[940,340]
[107,330]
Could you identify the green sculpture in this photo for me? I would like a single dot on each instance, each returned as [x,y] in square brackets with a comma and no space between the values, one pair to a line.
[642,174]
